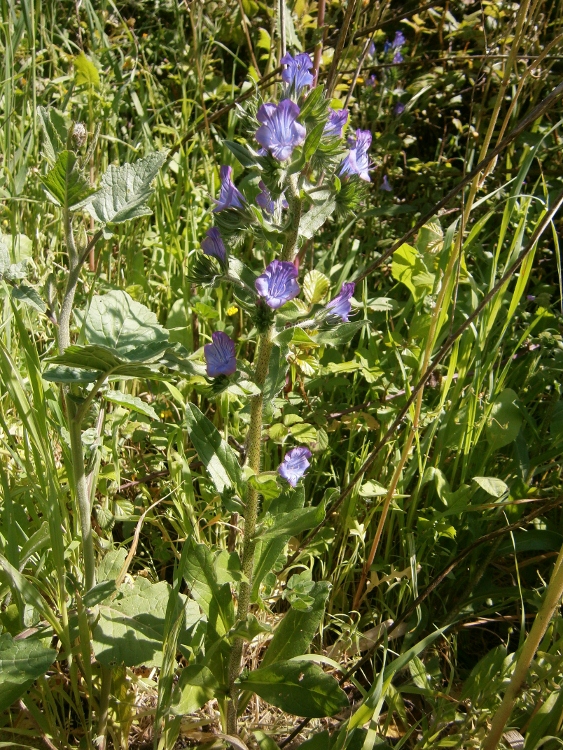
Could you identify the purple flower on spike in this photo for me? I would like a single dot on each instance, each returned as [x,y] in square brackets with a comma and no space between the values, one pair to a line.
[385,184]
[229,195]
[386,46]
[220,355]
[341,304]
[296,73]
[397,57]
[357,161]
[337,118]
[371,81]
[295,464]
[213,245]
[399,108]
[277,285]
[266,202]
[399,39]
[279,132]
[371,49]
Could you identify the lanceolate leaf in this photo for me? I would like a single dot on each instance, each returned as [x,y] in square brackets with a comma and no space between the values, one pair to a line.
[294,522]
[30,296]
[297,687]
[134,403]
[296,631]
[124,191]
[21,663]
[340,334]
[104,360]
[66,183]
[315,217]
[54,132]
[216,455]
[214,599]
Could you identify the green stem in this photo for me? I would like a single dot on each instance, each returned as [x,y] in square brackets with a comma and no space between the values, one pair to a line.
[81,491]
[295,207]
[550,603]
[250,516]
[103,708]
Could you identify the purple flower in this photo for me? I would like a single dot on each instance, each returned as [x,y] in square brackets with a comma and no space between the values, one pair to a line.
[371,81]
[397,57]
[399,108]
[279,132]
[220,355]
[341,304]
[296,73]
[371,49]
[266,202]
[295,464]
[229,195]
[386,46]
[213,245]
[337,118]
[277,285]
[399,39]
[385,184]
[357,161]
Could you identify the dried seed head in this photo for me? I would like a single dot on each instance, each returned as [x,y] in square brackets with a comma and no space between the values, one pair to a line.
[79,134]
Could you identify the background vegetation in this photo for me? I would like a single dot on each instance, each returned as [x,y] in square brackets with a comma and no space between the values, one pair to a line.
[457,520]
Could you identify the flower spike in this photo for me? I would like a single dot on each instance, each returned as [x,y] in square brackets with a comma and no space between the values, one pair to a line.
[296,73]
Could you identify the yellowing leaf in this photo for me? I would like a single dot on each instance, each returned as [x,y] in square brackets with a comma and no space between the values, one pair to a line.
[85,72]
[315,287]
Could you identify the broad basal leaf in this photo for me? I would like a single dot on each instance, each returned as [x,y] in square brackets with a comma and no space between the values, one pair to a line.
[297,687]
[65,183]
[117,321]
[130,627]
[195,687]
[21,663]
[214,598]
[124,191]
[102,359]
[217,456]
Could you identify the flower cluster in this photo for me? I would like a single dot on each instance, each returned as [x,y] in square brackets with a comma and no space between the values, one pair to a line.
[395,47]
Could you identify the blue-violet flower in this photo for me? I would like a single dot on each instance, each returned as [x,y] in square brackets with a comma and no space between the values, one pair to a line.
[357,161]
[277,285]
[341,304]
[387,46]
[399,108]
[297,71]
[213,245]
[371,49]
[397,57]
[371,81]
[295,464]
[337,118]
[266,202]
[385,185]
[220,355]
[399,39]
[229,195]
[279,132]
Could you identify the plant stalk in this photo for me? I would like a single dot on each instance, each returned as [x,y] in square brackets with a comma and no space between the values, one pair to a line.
[550,603]
[253,459]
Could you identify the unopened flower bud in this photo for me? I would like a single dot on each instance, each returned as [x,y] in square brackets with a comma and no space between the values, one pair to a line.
[79,134]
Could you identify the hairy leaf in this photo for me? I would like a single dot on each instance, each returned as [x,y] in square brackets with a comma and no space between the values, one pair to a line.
[66,184]
[217,456]
[21,663]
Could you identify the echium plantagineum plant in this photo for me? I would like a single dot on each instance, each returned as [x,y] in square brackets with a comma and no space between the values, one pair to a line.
[302,167]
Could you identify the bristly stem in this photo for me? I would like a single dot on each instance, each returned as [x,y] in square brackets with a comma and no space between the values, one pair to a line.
[295,207]
[253,459]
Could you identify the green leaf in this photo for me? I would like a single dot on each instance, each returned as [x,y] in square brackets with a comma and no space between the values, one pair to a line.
[340,334]
[29,296]
[315,287]
[104,360]
[133,403]
[55,132]
[85,72]
[216,455]
[267,743]
[408,268]
[65,183]
[69,375]
[297,687]
[117,321]
[214,598]
[295,633]
[546,721]
[242,154]
[266,485]
[130,627]
[268,550]
[249,629]
[312,140]
[277,373]
[492,486]
[196,686]
[315,217]
[294,522]
[505,420]
[124,191]
[21,663]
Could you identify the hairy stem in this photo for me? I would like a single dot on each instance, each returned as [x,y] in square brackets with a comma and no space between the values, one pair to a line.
[550,603]
[254,451]
[295,207]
